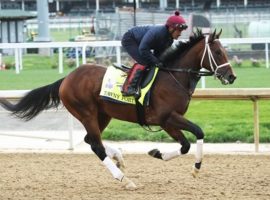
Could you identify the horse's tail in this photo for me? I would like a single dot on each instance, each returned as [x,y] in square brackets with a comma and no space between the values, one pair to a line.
[35,101]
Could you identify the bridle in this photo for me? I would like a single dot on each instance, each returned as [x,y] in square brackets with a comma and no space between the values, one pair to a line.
[211,58]
[199,73]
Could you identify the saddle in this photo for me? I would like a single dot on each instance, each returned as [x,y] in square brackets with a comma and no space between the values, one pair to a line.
[112,85]
[143,82]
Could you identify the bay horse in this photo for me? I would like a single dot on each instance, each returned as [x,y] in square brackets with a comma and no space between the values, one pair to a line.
[170,97]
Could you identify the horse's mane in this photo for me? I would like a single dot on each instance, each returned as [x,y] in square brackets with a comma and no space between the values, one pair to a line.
[174,52]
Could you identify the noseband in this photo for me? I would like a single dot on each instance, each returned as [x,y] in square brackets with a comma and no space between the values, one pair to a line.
[211,58]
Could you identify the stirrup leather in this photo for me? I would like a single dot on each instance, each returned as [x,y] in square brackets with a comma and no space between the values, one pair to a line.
[130,86]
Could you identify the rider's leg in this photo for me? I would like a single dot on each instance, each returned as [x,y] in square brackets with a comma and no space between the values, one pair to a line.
[133,79]
[135,75]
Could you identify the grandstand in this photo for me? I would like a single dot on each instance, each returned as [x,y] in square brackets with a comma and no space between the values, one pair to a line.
[86,7]
[114,17]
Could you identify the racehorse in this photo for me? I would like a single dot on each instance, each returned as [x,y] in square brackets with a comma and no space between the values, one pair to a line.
[170,97]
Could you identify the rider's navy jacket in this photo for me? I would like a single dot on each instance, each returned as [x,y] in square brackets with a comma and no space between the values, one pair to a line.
[156,38]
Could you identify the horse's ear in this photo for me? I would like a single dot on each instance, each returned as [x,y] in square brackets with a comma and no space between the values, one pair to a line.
[212,36]
[197,32]
[219,33]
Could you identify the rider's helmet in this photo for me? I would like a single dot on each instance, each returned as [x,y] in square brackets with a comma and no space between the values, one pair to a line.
[176,21]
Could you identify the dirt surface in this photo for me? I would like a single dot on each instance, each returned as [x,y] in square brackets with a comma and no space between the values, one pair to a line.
[82,176]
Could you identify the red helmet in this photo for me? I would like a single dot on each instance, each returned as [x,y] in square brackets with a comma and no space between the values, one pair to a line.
[176,21]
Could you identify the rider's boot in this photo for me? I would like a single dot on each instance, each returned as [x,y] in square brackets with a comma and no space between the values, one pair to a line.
[131,83]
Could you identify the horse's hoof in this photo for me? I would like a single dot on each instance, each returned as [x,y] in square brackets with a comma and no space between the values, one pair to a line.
[195,172]
[155,153]
[129,185]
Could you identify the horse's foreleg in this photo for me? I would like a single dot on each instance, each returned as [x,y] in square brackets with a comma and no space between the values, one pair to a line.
[177,121]
[178,136]
[198,157]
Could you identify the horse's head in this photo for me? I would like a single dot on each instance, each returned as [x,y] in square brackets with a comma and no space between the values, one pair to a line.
[214,58]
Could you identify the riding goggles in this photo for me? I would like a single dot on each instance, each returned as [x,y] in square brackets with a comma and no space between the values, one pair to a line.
[181,26]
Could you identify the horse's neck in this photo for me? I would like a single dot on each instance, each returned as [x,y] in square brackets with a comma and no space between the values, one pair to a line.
[189,61]
[178,82]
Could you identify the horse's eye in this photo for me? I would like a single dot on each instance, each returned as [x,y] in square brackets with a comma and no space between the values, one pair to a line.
[218,53]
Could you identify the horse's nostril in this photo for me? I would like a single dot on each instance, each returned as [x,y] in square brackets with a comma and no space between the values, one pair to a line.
[232,78]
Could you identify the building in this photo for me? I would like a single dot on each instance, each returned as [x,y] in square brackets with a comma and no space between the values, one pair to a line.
[12,25]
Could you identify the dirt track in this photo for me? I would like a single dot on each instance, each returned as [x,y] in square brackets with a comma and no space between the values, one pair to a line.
[82,176]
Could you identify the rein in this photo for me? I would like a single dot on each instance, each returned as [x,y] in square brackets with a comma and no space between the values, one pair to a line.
[190,71]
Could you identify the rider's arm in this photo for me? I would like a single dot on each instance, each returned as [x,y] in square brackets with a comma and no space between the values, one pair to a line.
[147,44]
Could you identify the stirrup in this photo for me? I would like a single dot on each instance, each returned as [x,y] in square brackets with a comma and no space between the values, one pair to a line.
[137,94]
[129,92]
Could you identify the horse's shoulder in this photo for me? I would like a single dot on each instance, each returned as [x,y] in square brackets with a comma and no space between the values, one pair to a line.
[92,65]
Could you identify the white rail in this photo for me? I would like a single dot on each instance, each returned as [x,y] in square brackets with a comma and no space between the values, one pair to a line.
[117,44]
[60,45]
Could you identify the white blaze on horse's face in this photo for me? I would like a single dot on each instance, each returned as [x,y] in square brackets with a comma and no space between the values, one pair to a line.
[222,71]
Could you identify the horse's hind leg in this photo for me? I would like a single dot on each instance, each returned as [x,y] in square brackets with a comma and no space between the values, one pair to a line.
[116,154]
[93,138]
[178,136]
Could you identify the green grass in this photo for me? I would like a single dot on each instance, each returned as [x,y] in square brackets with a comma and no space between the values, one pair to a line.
[28,79]
[221,121]
[252,77]
[37,73]
[64,35]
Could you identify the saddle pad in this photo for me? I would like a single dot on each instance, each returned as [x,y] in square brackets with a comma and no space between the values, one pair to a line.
[112,84]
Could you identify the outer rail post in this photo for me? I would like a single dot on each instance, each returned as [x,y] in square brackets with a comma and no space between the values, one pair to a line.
[77,57]
[20,59]
[256,124]
[60,61]
[17,61]
[70,131]
[203,80]
[84,54]
[118,55]
[266,55]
